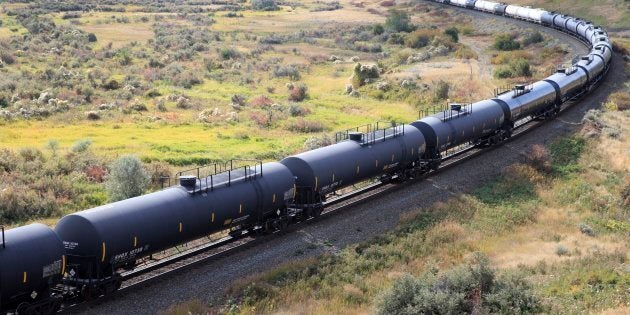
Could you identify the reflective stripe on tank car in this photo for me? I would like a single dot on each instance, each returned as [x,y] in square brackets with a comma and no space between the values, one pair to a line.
[104,251]
[63,264]
[135,241]
[181,227]
[240,208]
[357,169]
[212,217]
[24,277]
[274,195]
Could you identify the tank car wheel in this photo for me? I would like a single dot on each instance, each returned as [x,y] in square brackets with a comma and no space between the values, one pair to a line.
[89,293]
[23,308]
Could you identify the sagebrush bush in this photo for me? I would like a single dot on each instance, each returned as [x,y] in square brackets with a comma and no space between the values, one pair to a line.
[127,178]
[420,38]
[290,71]
[506,42]
[363,74]
[533,38]
[264,5]
[471,288]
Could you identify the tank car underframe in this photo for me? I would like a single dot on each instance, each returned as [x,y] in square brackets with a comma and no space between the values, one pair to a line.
[101,282]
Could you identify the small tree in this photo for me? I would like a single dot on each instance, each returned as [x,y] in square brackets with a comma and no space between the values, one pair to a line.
[398,21]
[127,178]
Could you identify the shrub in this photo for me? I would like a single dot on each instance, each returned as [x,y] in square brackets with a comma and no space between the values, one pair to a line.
[92,115]
[587,230]
[262,119]
[92,38]
[398,21]
[419,38]
[289,71]
[561,250]
[313,143]
[7,57]
[364,73]
[298,93]
[441,90]
[261,101]
[520,68]
[111,85]
[378,29]
[503,73]
[539,158]
[81,146]
[302,125]
[264,5]
[471,288]
[506,42]
[516,68]
[298,110]
[139,107]
[229,53]
[453,33]
[533,38]
[127,178]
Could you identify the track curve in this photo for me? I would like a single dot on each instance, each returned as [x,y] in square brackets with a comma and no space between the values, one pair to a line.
[207,282]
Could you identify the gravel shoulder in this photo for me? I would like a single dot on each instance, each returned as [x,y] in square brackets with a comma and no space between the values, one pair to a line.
[208,282]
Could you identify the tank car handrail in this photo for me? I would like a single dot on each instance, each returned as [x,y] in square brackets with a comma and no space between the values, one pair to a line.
[227,167]
[372,132]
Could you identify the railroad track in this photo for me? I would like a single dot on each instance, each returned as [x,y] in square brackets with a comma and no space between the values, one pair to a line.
[188,258]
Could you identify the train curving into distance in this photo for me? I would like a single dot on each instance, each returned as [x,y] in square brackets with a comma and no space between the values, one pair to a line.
[87,250]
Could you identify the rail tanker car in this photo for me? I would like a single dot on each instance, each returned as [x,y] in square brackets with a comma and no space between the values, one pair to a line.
[87,251]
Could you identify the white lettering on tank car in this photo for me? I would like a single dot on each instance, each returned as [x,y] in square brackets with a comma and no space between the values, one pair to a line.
[70,245]
[127,256]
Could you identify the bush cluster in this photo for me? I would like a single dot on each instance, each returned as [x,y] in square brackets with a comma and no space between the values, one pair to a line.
[363,74]
[264,5]
[516,68]
[473,288]
[506,42]
[37,184]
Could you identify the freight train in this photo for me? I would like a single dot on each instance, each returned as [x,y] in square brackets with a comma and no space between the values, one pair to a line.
[87,250]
